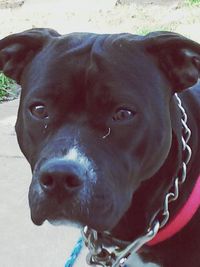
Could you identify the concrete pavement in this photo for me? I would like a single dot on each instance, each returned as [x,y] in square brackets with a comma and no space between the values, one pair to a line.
[22,244]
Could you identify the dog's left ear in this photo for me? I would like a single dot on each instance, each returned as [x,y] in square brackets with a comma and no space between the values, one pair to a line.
[17,50]
[177,56]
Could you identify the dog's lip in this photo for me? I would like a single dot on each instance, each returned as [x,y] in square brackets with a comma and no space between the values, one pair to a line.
[59,220]
[37,221]
[38,217]
[50,211]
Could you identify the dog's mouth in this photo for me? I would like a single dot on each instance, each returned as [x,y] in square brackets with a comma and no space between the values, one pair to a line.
[96,221]
[98,215]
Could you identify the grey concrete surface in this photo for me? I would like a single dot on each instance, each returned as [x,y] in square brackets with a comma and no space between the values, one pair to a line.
[22,244]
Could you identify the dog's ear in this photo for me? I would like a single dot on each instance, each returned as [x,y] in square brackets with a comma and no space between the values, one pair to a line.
[177,56]
[17,50]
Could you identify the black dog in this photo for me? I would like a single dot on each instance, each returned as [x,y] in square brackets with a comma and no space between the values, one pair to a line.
[101,128]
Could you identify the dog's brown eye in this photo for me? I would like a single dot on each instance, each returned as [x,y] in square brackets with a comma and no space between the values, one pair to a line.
[123,114]
[39,111]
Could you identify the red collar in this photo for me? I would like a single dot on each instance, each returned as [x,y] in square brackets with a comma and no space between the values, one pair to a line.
[181,219]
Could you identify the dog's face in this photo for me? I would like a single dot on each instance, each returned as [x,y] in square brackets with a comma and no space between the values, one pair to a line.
[94,123]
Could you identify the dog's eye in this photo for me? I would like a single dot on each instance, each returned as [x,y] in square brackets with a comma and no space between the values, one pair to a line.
[39,111]
[123,114]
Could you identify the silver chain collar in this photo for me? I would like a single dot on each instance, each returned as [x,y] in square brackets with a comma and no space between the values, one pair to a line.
[99,255]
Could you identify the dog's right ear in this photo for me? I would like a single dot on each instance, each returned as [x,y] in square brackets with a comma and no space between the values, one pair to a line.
[17,50]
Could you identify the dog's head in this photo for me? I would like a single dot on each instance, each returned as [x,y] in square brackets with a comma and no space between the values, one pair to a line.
[94,118]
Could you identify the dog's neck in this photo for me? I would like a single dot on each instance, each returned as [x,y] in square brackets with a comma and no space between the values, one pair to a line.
[182,215]
[181,219]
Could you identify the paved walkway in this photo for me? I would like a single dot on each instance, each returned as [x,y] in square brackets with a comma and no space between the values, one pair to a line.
[22,244]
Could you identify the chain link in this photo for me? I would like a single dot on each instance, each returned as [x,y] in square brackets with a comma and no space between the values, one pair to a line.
[116,257]
[99,255]
[179,180]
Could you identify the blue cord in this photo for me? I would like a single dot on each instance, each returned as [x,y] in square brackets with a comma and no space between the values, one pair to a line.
[75,253]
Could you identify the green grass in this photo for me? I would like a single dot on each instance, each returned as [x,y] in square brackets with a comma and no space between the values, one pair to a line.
[6,85]
[193,2]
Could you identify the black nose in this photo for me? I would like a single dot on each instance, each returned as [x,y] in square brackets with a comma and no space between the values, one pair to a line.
[61,177]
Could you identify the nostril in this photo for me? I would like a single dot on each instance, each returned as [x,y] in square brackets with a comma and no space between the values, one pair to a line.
[59,177]
[72,181]
[47,182]
[53,182]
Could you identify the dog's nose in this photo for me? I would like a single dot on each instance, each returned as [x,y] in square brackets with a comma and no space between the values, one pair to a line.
[61,177]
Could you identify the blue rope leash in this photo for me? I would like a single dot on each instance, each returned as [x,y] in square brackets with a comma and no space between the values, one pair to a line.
[75,253]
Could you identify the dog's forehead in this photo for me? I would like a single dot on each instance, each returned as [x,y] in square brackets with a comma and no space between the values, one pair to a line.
[103,62]
[70,52]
